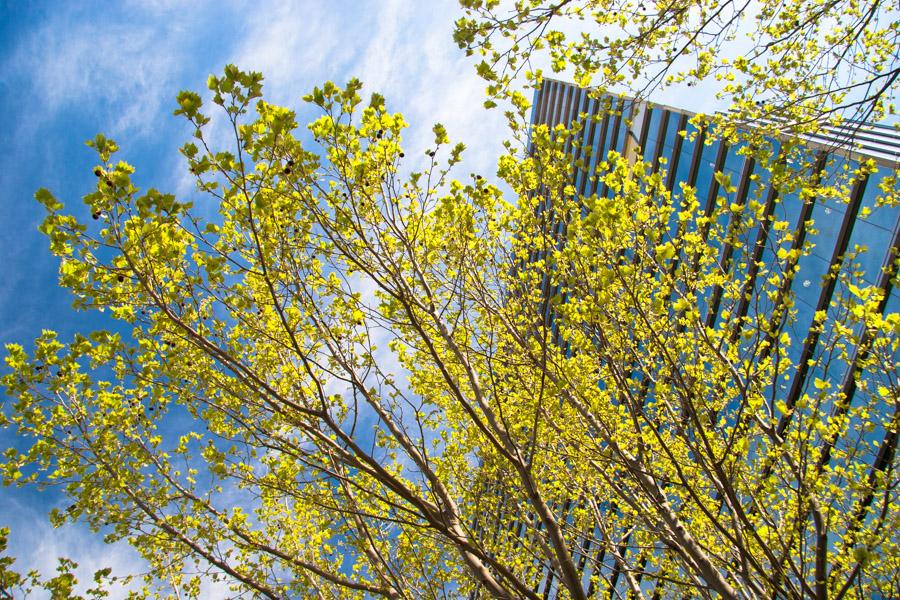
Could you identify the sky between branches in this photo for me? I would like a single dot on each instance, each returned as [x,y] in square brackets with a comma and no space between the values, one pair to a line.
[68,72]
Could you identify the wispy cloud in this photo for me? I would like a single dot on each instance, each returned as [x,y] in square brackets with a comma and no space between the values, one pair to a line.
[37,545]
[119,71]
[294,45]
[400,48]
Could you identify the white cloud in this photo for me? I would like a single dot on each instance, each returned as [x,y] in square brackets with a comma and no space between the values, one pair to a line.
[120,72]
[399,48]
[293,45]
[37,545]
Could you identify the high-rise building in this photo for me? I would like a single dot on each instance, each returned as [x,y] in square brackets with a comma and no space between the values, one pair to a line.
[652,131]
[852,233]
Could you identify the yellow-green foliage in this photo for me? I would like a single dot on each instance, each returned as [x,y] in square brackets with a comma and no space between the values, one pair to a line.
[341,379]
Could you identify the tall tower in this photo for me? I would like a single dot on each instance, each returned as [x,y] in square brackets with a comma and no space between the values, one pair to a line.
[847,231]
[652,131]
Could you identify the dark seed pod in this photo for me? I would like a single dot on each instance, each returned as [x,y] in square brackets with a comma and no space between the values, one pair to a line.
[120,278]
[95,216]
[402,155]
[98,172]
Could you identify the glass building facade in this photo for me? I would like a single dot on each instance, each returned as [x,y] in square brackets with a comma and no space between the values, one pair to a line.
[652,131]
[834,228]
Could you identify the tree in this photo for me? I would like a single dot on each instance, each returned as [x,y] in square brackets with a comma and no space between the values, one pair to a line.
[338,380]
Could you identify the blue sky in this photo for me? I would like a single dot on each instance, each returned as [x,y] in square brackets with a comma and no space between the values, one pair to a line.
[70,71]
